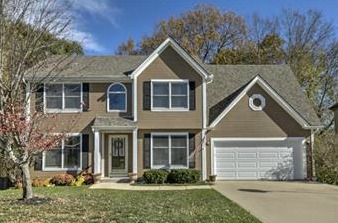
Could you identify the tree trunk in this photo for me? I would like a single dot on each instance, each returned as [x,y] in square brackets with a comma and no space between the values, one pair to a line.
[26,182]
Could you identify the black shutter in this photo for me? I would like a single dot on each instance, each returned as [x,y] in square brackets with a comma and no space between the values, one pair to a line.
[146,151]
[85,150]
[38,162]
[192,99]
[146,95]
[39,98]
[85,96]
[191,150]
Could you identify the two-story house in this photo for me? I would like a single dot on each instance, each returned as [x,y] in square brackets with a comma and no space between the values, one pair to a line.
[169,110]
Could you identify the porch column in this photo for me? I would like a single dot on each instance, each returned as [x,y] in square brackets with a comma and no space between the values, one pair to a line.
[135,155]
[97,154]
[204,155]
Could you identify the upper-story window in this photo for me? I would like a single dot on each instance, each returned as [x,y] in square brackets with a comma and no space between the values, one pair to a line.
[117,98]
[170,95]
[63,97]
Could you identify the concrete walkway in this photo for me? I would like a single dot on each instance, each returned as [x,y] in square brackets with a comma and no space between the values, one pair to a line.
[127,186]
[281,202]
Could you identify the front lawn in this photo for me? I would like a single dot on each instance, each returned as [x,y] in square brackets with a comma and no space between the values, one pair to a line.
[80,204]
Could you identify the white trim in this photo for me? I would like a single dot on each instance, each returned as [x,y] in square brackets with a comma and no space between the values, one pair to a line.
[79,168]
[135,151]
[63,110]
[252,104]
[135,98]
[103,155]
[110,169]
[169,81]
[97,155]
[170,42]
[312,141]
[113,128]
[125,97]
[204,105]
[272,93]
[169,134]
[204,155]
[256,138]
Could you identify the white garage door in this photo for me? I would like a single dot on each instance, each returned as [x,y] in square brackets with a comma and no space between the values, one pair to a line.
[252,160]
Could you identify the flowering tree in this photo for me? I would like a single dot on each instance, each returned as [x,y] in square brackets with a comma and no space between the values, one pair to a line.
[22,137]
[30,31]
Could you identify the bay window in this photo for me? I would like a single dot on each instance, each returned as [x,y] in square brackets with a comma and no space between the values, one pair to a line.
[169,150]
[170,95]
[63,97]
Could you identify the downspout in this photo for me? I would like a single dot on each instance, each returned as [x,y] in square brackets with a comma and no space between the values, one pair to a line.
[312,141]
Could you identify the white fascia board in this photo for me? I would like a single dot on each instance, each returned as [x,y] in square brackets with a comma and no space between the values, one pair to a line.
[272,93]
[179,50]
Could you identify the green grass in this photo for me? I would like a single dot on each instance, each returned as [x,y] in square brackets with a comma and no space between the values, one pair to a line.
[80,204]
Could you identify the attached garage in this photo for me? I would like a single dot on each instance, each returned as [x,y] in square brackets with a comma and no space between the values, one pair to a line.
[258,158]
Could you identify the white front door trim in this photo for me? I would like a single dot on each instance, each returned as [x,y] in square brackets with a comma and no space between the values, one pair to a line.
[110,170]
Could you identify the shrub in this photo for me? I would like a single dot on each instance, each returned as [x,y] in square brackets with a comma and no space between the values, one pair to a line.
[155,176]
[326,158]
[78,182]
[62,179]
[41,182]
[182,176]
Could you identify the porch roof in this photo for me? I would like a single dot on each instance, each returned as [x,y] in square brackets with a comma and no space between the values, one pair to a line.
[113,123]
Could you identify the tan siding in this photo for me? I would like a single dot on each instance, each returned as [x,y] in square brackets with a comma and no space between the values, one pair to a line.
[198,148]
[82,121]
[273,121]
[169,65]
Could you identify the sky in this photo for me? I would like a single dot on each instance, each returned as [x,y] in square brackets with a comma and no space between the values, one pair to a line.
[101,25]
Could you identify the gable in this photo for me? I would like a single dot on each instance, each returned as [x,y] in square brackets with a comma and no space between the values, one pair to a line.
[230,80]
[272,121]
[170,65]
[180,51]
[229,104]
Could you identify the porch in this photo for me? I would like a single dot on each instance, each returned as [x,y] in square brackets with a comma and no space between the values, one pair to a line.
[115,147]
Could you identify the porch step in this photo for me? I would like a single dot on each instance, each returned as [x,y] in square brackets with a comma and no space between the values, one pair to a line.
[115,180]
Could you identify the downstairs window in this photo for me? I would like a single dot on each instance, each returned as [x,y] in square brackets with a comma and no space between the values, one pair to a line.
[169,150]
[65,157]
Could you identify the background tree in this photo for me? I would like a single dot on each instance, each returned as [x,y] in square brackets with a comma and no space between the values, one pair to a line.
[30,32]
[203,31]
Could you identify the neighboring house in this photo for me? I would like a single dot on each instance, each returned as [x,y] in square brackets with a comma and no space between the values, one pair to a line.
[169,110]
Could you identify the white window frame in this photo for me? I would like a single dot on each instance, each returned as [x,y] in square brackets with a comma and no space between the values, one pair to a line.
[169,134]
[170,95]
[125,97]
[63,110]
[79,168]
[252,104]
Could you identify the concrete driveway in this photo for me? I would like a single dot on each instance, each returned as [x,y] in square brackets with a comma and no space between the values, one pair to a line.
[274,202]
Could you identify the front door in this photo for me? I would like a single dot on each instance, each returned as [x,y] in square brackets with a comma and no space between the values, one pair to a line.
[118,154]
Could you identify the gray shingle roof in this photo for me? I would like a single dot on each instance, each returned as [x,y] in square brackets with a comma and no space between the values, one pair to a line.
[90,68]
[229,80]
[113,121]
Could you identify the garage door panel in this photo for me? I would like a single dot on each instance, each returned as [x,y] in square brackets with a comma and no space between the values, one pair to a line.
[246,155]
[226,155]
[266,165]
[250,160]
[268,155]
[225,165]
[245,165]
[247,175]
